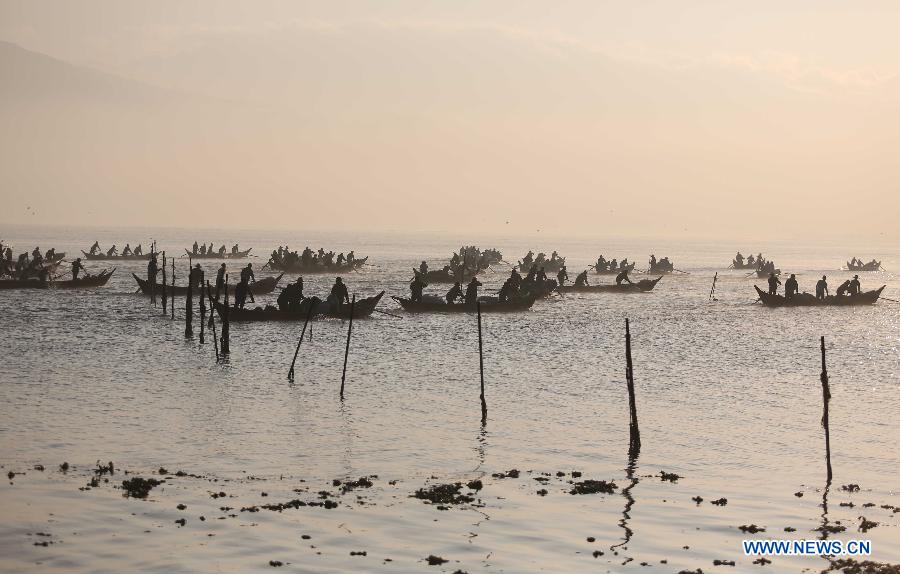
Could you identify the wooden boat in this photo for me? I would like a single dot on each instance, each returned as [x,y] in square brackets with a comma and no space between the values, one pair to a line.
[629,268]
[226,255]
[642,286]
[361,309]
[98,280]
[261,287]
[745,265]
[105,257]
[871,266]
[809,300]
[312,269]
[488,305]
[661,270]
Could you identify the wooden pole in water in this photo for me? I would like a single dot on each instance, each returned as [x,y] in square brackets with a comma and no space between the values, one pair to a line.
[202,306]
[226,332]
[826,397]
[302,333]
[712,291]
[152,279]
[212,323]
[189,305]
[172,306]
[634,445]
[165,297]
[481,364]
[347,348]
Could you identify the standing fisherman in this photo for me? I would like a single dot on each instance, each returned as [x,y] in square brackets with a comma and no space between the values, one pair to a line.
[472,291]
[416,286]
[562,276]
[220,280]
[338,295]
[821,288]
[152,269]
[76,267]
[854,287]
[791,287]
[774,282]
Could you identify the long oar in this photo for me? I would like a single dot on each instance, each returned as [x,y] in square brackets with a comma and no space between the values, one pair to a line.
[680,271]
[386,313]
[305,323]
[891,300]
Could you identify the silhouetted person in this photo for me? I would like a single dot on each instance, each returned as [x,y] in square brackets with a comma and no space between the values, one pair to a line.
[76,267]
[822,288]
[196,276]
[220,280]
[416,287]
[127,250]
[562,276]
[138,250]
[152,269]
[854,286]
[240,293]
[112,251]
[581,280]
[338,295]
[454,294]
[291,296]
[774,282]
[791,287]
[247,274]
[622,276]
[196,247]
[472,291]
[95,248]
[423,268]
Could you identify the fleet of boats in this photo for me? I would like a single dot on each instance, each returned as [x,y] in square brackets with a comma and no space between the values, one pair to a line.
[41,273]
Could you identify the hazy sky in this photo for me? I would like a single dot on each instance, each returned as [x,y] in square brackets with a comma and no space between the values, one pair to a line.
[719,119]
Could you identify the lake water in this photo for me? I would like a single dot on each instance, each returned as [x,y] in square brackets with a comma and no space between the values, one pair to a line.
[728,398]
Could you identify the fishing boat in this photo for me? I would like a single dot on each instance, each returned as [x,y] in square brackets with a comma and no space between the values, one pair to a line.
[105,257]
[810,300]
[98,280]
[488,305]
[642,286]
[317,268]
[616,271]
[870,266]
[549,266]
[323,309]
[261,287]
[223,255]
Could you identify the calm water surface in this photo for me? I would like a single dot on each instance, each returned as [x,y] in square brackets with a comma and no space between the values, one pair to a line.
[728,397]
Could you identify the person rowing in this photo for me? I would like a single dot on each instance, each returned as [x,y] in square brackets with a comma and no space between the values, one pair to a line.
[582,279]
[127,251]
[95,248]
[291,296]
[454,294]
[338,295]
[623,276]
[139,250]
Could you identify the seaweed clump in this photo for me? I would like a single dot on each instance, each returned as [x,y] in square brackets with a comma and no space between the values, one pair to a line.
[138,487]
[444,494]
[593,487]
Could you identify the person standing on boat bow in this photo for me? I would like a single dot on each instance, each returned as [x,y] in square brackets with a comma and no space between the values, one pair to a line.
[774,282]
[76,267]
[791,287]
[623,276]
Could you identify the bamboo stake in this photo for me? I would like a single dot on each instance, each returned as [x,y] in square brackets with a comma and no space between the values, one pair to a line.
[634,446]
[189,305]
[481,364]
[165,297]
[212,323]
[172,306]
[200,282]
[226,331]
[826,397]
